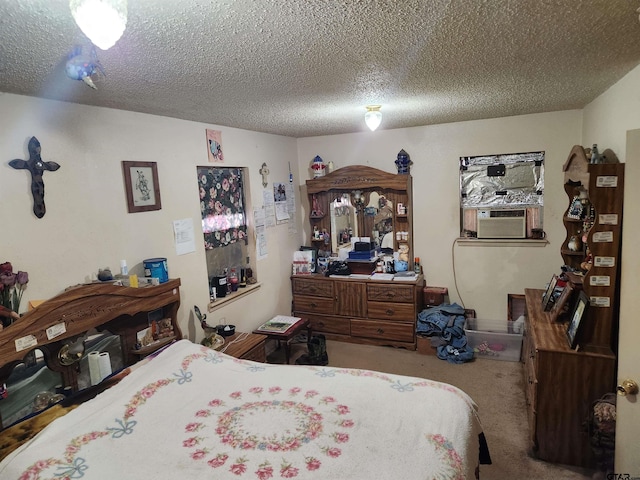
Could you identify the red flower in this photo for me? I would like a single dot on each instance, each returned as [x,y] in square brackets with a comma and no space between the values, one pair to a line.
[6,267]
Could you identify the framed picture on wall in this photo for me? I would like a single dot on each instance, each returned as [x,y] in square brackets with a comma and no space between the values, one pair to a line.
[575,322]
[547,299]
[141,186]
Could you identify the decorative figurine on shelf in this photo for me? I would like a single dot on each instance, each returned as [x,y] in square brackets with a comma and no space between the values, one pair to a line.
[403,252]
[403,162]
[315,208]
[326,237]
[585,266]
[575,243]
[596,157]
[330,166]
[318,167]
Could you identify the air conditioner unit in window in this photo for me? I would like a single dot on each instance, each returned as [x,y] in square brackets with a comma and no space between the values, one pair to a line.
[502,223]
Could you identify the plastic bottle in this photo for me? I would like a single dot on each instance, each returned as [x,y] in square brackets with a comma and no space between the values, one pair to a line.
[124,270]
[416,266]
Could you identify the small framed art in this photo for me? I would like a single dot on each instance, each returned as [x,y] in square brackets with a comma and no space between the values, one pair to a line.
[141,186]
[547,299]
[559,306]
[573,330]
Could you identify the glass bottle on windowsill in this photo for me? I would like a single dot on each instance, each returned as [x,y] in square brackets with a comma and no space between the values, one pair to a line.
[233,279]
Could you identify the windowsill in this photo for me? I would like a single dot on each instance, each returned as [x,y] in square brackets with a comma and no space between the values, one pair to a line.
[232,297]
[503,242]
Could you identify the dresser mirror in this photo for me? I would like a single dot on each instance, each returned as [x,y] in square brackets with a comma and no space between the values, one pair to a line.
[361,201]
[380,209]
[344,225]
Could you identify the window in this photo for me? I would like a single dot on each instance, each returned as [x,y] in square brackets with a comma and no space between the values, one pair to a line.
[224,219]
[501,196]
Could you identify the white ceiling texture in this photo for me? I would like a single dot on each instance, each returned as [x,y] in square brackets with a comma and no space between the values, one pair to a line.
[309,67]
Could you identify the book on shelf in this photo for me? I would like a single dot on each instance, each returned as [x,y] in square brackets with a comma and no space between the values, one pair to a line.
[278,324]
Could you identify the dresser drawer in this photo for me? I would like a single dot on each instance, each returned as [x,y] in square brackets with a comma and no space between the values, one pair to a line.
[397,312]
[326,324]
[310,286]
[256,354]
[531,384]
[391,293]
[309,304]
[401,332]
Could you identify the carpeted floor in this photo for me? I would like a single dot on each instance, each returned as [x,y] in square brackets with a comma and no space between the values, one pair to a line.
[496,386]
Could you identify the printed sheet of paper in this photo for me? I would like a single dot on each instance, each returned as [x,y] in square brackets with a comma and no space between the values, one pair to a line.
[184,236]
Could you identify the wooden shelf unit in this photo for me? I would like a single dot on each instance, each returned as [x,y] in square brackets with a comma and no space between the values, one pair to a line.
[604,187]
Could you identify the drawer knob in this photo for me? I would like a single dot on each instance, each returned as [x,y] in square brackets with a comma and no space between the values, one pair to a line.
[389,312]
[313,305]
[380,331]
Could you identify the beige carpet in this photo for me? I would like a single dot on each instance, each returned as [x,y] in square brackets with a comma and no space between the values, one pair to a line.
[496,386]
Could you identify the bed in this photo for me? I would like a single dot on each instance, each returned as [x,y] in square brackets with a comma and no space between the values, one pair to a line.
[198,412]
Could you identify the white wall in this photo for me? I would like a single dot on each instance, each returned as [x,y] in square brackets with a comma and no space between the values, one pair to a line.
[484,275]
[612,121]
[87,226]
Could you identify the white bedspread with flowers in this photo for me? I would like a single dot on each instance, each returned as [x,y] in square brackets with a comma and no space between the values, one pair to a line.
[196,413]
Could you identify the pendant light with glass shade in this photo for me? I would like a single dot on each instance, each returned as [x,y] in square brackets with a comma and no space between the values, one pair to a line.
[373,117]
[102,21]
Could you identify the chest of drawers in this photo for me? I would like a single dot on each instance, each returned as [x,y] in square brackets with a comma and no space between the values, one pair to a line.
[359,311]
[561,385]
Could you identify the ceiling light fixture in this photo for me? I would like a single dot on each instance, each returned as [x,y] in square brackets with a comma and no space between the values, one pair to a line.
[373,117]
[103,21]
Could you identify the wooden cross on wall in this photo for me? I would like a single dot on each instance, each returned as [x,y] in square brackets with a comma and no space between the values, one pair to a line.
[36,167]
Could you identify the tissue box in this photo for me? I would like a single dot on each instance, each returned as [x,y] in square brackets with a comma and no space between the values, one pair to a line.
[491,339]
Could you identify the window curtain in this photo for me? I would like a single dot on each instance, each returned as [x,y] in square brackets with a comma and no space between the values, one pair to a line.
[222,206]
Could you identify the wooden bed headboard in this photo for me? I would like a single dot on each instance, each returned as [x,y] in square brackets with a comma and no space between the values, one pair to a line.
[122,311]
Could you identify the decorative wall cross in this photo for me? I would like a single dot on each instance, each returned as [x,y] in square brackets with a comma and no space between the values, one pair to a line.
[36,166]
[264,171]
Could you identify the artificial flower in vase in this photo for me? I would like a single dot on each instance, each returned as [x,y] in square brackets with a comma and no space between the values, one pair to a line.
[12,287]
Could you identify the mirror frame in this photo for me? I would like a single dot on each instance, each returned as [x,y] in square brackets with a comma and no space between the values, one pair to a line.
[321,191]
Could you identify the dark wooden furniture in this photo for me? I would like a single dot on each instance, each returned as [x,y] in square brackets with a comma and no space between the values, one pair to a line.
[560,386]
[247,346]
[287,336]
[120,310]
[360,311]
[394,187]
[602,187]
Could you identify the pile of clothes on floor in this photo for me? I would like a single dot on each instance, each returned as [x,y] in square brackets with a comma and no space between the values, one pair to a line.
[444,325]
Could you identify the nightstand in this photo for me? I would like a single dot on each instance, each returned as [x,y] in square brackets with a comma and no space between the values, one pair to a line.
[250,347]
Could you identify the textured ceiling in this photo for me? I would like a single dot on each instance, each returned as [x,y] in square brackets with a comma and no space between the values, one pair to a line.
[308,67]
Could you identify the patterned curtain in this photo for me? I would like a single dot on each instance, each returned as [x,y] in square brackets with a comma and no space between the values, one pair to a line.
[222,206]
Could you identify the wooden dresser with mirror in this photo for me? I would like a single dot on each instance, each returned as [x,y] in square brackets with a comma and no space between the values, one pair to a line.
[360,201]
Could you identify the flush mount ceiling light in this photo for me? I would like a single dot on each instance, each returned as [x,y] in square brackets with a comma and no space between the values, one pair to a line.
[373,117]
[103,21]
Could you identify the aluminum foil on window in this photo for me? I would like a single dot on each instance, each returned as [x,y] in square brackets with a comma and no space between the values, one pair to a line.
[502,180]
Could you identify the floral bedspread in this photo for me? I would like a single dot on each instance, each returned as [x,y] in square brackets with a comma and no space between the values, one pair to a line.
[193,412]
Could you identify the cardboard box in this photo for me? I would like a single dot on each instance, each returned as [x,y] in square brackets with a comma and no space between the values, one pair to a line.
[423,345]
[434,296]
[491,339]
